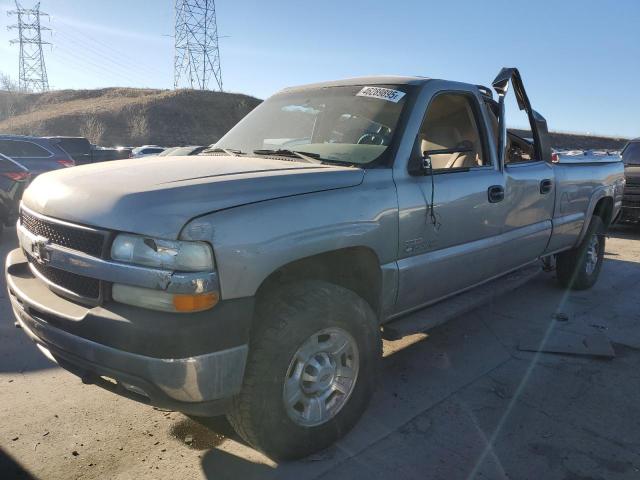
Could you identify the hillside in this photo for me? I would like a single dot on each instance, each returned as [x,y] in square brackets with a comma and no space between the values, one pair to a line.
[126,116]
[129,116]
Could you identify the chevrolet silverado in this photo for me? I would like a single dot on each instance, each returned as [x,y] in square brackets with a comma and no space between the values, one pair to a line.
[257,279]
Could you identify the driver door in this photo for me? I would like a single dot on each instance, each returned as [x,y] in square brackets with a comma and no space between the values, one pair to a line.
[450,221]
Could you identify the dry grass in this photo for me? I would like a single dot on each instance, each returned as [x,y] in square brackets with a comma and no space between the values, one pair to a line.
[126,116]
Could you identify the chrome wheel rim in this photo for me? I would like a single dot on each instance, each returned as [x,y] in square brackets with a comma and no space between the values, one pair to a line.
[592,254]
[321,377]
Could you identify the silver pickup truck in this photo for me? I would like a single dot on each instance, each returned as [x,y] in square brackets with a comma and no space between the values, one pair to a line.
[257,279]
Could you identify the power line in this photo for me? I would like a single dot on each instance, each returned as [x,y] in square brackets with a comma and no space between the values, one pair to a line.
[109,62]
[197,56]
[104,50]
[32,70]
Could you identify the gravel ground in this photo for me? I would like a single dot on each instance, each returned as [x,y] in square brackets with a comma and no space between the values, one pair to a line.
[462,402]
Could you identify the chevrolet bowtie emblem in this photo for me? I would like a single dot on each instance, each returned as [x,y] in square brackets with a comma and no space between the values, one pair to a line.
[39,250]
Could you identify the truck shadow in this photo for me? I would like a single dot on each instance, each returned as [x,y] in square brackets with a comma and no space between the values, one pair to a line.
[11,469]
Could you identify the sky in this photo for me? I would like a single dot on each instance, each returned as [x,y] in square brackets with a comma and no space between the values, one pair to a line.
[580,59]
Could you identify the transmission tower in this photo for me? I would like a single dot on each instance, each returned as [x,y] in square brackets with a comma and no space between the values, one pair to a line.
[197,56]
[32,72]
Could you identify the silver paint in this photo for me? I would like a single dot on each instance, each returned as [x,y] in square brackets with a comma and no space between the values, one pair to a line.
[194,379]
[261,214]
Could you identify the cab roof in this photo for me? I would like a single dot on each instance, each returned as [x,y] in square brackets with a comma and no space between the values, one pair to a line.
[372,80]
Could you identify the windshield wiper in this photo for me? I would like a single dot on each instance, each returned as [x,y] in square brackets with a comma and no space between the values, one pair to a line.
[229,151]
[308,156]
[283,152]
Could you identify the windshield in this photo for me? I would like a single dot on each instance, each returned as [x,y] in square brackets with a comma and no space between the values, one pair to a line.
[350,124]
[631,154]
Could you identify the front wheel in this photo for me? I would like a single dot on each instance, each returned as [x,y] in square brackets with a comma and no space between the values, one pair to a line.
[579,268]
[311,370]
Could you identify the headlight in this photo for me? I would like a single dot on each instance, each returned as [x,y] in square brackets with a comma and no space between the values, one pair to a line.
[165,254]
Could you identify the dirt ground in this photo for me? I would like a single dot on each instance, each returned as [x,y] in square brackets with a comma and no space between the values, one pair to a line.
[463,402]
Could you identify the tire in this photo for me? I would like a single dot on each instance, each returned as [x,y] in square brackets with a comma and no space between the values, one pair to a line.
[578,269]
[293,317]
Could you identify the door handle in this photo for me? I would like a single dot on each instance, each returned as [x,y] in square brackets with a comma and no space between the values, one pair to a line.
[496,193]
[545,186]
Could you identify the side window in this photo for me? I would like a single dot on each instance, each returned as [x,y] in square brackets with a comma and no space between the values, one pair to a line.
[20,149]
[520,146]
[519,149]
[9,148]
[451,123]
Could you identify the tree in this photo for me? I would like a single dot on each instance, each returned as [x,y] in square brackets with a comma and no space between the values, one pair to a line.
[92,128]
[8,84]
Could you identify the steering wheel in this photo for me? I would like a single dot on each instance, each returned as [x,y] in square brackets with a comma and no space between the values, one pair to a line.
[371,139]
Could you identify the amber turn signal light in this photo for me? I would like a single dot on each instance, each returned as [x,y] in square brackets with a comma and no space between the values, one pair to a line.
[195,303]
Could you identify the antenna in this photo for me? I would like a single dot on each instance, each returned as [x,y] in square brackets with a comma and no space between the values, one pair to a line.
[197,56]
[32,73]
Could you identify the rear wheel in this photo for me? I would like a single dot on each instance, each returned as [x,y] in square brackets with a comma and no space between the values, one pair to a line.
[579,268]
[311,370]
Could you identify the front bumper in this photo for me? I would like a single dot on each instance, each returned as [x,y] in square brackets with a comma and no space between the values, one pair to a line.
[630,211]
[135,352]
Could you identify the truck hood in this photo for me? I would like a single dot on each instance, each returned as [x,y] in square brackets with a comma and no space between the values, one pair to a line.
[158,196]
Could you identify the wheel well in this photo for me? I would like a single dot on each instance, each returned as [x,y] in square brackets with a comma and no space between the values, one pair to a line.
[354,268]
[604,210]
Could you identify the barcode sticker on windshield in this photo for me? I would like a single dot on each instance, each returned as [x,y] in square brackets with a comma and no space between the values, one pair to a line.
[383,93]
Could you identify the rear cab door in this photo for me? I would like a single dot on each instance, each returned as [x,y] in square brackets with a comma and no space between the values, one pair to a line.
[528,175]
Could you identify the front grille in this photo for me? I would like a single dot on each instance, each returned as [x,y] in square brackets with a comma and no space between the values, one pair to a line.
[80,285]
[627,202]
[76,238]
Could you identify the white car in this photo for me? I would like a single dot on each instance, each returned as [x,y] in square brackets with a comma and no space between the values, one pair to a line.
[146,150]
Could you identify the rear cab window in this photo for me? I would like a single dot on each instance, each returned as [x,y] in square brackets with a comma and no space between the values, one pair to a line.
[74,146]
[631,154]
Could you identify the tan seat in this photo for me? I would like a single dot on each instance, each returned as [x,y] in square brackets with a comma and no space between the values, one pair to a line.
[440,138]
[450,124]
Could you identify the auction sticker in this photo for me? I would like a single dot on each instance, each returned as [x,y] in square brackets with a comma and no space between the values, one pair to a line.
[380,92]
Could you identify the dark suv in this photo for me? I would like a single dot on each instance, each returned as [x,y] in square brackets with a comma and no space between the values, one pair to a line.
[38,154]
[631,199]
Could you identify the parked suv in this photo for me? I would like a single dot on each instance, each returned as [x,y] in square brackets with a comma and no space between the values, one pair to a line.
[13,180]
[37,154]
[631,199]
[83,152]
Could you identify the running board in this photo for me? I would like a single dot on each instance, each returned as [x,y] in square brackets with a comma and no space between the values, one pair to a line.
[443,311]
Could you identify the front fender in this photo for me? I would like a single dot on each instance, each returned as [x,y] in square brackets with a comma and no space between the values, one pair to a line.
[252,241]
